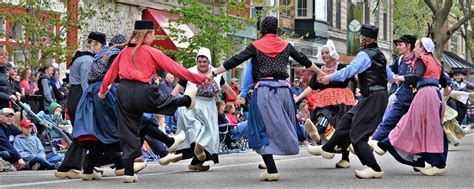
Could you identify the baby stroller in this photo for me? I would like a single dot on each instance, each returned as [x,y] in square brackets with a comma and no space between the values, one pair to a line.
[236,135]
[53,138]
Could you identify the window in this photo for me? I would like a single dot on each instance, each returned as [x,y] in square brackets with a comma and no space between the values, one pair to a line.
[2,28]
[338,14]
[286,11]
[366,12]
[376,14]
[329,12]
[320,10]
[304,9]
[385,24]
[454,42]
[16,32]
[18,56]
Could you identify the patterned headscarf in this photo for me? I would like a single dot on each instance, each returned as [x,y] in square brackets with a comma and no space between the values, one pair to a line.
[269,25]
[118,39]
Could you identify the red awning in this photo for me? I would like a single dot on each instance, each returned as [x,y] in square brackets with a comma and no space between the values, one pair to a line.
[161,19]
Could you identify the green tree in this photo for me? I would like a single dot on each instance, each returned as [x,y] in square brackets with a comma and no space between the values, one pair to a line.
[410,17]
[441,9]
[466,33]
[215,29]
[39,30]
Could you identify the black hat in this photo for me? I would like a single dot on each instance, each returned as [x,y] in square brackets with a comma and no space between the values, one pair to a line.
[144,25]
[455,71]
[100,37]
[406,38]
[369,31]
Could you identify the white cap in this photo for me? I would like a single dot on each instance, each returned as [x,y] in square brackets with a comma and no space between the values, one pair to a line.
[204,52]
[428,44]
[332,50]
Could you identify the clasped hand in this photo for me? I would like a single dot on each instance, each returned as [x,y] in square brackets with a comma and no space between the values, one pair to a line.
[323,78]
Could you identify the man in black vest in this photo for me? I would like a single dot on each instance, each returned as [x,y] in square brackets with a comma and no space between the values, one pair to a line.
[359,123]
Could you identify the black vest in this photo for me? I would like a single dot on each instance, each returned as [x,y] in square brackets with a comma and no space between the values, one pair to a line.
[375,77]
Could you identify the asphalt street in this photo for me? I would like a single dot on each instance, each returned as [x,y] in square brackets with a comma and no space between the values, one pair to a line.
[240,170]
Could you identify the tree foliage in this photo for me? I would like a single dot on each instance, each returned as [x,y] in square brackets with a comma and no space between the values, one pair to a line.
[410,17]
[441,10]
[38,29]
[215,29]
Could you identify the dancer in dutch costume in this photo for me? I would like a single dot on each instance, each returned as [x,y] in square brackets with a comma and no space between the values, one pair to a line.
[361,121]
[136,65]
[331,102]
[272,119]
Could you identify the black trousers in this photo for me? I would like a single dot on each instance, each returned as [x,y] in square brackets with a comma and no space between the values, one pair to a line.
[358,124]
[75,154]
[96,152]
[133,99]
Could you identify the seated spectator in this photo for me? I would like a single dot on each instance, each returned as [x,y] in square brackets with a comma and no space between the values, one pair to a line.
[30,148]
[221,119]
[8,131]
[56,113]
[223,123]
[302,116]
[229,113]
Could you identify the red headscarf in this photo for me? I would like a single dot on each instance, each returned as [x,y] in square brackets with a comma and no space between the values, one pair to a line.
[270,45]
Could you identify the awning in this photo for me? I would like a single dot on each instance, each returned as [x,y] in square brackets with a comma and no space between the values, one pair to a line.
[166,39]
[454,62]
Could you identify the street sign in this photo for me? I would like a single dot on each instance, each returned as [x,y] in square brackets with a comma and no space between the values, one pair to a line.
[354,26]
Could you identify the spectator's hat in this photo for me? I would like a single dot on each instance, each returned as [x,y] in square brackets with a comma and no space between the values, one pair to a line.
[233,80]
[7,111]
[53,106]
[26,123]
[10,65]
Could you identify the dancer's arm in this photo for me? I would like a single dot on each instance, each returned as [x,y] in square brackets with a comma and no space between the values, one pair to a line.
[110,77]
[469,85]
[226,88]
[414,77]
[84,73]
[248,81]
[304,61]
[234,61]
[305,93]
[361,63]
[178,89]
[167,64]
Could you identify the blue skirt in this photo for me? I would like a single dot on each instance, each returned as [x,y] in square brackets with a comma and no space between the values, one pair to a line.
[95,116]
[272,119]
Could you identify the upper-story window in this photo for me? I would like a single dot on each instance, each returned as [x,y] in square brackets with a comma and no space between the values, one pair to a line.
[338,14]
[304,9]
[320,12]
[286,12]
[2,28]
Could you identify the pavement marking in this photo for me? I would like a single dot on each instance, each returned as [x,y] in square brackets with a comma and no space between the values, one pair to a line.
[115,177]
